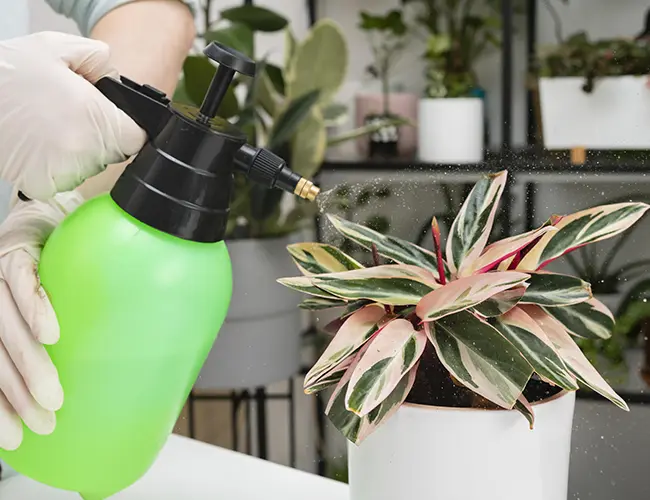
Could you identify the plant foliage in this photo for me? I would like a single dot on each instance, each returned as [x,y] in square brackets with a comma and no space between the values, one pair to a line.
[493,315]
[593,59]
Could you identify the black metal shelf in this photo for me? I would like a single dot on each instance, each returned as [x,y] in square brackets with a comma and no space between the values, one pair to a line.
[530,160]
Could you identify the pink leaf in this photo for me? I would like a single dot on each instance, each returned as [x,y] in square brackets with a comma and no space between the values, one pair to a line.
[355,331]
[573,357]
[391,353]
[467,292]
[582,228]
[503,249]
[471,229]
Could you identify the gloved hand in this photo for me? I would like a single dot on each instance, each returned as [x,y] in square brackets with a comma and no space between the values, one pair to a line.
[56,128]
[29,383]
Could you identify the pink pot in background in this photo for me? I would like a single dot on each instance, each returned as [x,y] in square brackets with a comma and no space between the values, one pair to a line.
[399,103]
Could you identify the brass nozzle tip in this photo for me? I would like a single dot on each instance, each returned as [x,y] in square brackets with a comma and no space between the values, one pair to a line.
[306,189]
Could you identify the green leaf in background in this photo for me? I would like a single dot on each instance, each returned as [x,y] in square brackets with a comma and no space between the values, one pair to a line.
[366,130]
[180,94]
[335,114]
[256,18]
[291,118]
[391,22]
[198,73]
[267,97]
[321,62]
[237,36]
[308,145]
[276,76]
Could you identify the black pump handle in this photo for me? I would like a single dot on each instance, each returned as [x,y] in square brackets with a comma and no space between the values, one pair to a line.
[230,61]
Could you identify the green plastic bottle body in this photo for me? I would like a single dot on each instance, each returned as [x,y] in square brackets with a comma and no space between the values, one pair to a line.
[139,311]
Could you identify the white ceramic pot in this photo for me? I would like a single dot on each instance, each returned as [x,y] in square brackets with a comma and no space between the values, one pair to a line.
[451,130]
[616,115]
[431,453]
[259,343]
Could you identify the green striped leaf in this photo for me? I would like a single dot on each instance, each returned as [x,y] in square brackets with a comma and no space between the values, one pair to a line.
[553,290]
[303,284]
[501,303]
[467,292]
[480,358]
[394,284]
[503,249]
[471,229]
[356,428]
[319,303]
[572,356]
[533,344]
[390,355]
[319,258]
[332,377]
[523,406]
[582,228]
[353,333]
[400,251]
[589,320]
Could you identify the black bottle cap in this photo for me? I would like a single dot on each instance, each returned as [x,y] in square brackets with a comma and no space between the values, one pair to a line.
[182,180]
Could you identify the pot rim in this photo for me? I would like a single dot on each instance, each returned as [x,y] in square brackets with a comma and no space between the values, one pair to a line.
[553,398]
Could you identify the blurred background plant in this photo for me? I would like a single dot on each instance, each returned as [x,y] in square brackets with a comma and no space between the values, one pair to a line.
[580,56]
[457,33]
[388,36]
[286,108]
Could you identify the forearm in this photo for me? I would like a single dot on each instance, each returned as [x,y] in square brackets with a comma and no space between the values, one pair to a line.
[149,40]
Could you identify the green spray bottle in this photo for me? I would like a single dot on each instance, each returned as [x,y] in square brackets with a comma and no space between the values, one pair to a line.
[140,280]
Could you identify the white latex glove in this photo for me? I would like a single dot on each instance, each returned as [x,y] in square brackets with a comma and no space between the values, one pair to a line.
[56,128]
[30,391]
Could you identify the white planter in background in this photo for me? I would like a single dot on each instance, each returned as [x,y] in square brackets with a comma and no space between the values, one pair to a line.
[616,115]
[259,343]
[451,130]
[430,453]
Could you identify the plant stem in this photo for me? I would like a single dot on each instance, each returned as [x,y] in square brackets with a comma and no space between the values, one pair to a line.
[375,255]
[208,4]
[557,21]
[435,231]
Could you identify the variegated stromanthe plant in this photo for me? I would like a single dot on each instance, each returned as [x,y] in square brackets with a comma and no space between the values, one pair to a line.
[492,314]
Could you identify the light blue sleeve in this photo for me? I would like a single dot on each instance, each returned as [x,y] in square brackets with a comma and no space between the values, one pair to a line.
[86,13]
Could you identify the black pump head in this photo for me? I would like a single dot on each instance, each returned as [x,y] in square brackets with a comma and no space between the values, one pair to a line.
[181,182]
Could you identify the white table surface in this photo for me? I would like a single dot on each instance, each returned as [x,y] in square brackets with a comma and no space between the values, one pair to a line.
[192,470]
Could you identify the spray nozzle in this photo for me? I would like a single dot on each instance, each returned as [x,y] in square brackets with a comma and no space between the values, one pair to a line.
[269,170]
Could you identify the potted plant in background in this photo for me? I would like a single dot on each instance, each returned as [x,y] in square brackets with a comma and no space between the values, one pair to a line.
[388,37]
[632,328]
[594,94]
[451,119]
[286,109]
[459,357]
